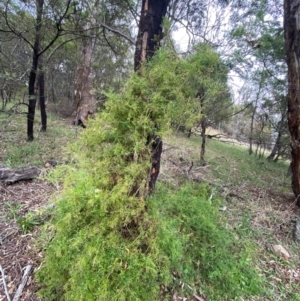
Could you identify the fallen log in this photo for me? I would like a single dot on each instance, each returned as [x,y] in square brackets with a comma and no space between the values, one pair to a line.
[11,175]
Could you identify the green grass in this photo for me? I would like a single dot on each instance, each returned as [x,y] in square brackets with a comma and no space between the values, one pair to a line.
[202,249]
[259,208]
[16,151]
[233,166]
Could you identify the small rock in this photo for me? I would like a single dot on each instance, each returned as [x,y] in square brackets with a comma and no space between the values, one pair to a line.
[224,208]
[279,249]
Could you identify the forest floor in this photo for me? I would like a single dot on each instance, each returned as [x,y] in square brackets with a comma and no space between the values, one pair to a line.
[258,202]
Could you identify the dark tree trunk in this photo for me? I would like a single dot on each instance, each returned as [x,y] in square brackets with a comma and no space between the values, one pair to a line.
[42,98]
[292,44]
[33,71]
[148,41]
[150,30]
[203,144]
[156,147]
[32,96]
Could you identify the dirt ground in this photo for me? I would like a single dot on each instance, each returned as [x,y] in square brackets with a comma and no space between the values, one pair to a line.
[18,249]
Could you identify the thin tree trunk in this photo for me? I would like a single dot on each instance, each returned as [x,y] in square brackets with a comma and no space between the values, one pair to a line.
[86,102]
[251,131]
[33,71]
[32,96]
[292,44]
[253,116]
[276,148]
[148,41]
[203,144]
[41,82]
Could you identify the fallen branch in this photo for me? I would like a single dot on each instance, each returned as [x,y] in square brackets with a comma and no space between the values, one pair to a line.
[23,283]
[11,176]
[201,180]
[179,167]
[167,149]
[235,195]
[4,283]
[190,168]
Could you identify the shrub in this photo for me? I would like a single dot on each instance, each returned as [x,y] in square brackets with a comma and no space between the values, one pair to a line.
[109,243]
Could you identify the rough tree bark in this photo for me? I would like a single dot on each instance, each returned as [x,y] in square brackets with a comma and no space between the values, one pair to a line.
[41,85]
[148,41]
[85,99]
[292,44]
[201,97]
[203,144]
[33,71]
[150,30]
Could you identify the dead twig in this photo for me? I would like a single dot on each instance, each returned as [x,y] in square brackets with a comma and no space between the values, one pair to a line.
[179,167]
[23,283]
[232,194]
[167,149]
[189,170]
[4,283]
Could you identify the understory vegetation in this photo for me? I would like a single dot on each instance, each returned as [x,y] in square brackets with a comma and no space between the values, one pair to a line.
[79,201]
[110,242]
[179,235]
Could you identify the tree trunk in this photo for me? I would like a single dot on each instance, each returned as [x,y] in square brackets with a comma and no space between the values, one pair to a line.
[41,82]
[251,131]
[277,146]
[32,96]
[148,41]
[292,44]
[32,75]
[85,99]
[203,144]
[150,30]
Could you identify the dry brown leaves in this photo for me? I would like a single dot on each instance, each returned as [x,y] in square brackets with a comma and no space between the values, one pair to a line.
[17,250]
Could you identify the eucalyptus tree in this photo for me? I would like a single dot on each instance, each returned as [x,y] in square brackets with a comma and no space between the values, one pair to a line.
[259,60]
[292,45]
[150,33]
[103,24]
[45,19]
[13,68]
[203,21]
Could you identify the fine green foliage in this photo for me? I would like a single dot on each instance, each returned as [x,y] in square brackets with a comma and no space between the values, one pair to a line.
[181,232]
[109,243]
[202,250]
[104,240]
